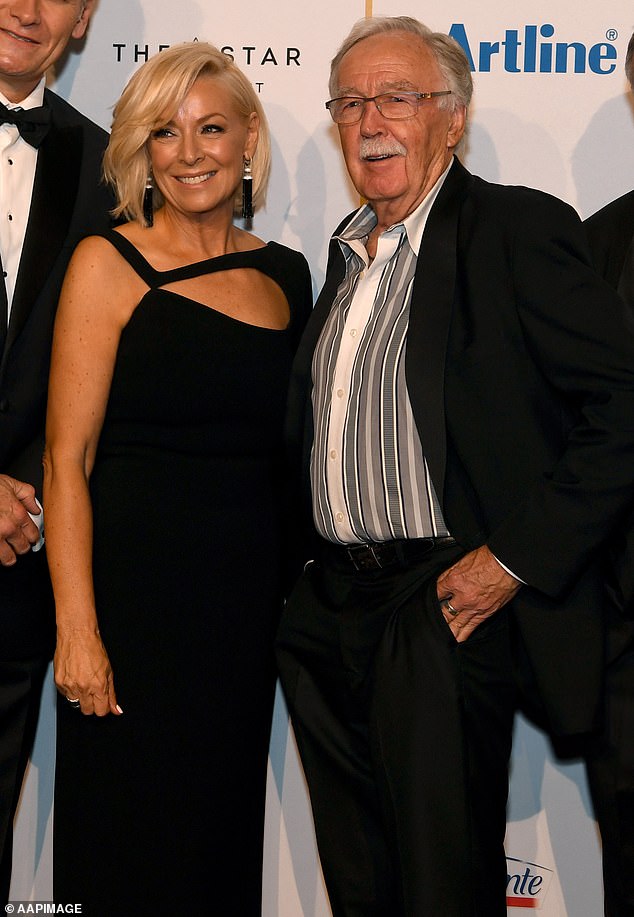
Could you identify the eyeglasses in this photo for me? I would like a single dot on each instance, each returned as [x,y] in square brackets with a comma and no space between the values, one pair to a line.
[395,106]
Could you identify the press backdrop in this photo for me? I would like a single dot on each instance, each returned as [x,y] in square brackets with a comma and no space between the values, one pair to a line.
[551,110]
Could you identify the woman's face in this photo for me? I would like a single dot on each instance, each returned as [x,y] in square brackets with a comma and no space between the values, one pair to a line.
[197,155]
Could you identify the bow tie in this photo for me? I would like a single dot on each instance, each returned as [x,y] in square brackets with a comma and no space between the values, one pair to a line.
[33,123]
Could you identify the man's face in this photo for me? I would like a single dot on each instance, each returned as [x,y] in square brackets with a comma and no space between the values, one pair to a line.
[393,164]
[33,34]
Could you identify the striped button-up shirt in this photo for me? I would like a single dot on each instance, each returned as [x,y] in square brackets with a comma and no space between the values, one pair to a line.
[369,477]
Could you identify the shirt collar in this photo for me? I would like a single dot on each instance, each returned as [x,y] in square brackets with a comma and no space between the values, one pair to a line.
[364,220]
[34,100]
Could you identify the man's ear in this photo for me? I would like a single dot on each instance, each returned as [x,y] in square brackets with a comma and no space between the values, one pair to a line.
[457,125]
[87,9]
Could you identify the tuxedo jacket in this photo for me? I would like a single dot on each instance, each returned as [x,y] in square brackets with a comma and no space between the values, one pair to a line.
[519,370]
[69,201]
[610,232]
[611,235]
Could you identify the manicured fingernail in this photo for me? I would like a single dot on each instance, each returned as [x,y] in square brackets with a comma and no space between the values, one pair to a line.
[119,709]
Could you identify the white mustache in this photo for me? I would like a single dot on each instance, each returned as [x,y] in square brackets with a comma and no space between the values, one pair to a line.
[372,147]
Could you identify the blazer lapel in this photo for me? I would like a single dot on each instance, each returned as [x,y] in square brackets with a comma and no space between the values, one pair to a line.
[334,275]
[52,203]
[626,280]
[4,305]
[430,319]
[299,425]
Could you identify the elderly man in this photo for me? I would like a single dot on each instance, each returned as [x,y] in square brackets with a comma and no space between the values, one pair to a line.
[50,196]
[463,398]
[611,759]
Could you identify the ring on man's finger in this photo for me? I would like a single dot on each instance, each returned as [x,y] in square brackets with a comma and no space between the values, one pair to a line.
[74,702]
[450,608]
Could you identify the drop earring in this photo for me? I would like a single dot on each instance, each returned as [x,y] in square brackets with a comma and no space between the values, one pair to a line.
[247,190]
[148,201]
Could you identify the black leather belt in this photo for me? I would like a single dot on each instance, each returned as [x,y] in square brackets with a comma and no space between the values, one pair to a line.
[382,554]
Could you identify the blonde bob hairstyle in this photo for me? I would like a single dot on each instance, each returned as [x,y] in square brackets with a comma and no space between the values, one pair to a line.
[152,96]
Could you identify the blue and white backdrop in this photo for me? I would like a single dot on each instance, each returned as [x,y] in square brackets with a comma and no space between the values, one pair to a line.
[551,110]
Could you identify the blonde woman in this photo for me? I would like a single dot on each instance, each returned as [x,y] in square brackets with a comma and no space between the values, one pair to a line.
[172,351]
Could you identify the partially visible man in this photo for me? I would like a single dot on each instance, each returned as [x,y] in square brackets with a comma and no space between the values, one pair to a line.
[50,197]
[469,444]
[611,762]
[611,229]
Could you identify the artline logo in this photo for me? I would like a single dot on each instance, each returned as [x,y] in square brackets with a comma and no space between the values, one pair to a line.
[532,51]
[526,883]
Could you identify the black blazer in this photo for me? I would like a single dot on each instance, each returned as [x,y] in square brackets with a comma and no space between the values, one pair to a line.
[69,202]
[611,235]
[519,370]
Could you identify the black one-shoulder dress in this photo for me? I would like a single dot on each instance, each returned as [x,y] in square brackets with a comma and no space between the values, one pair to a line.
[160,811]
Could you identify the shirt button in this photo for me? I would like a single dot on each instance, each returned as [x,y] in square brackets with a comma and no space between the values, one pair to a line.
[353,332]
[333,454]
[10,217]
[340,393]
[339,517]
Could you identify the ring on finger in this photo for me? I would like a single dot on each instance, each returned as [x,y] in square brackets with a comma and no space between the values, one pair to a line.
[74,702]
[450,608]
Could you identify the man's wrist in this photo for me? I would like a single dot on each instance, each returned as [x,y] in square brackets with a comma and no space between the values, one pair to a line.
[506,569]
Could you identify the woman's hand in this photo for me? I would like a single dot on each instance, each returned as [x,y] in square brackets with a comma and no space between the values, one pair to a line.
[83,672]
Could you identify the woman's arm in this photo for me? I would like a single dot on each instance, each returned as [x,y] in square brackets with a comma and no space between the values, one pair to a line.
[95,304]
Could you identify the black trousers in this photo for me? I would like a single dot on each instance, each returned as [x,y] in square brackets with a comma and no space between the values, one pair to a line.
[20,695]
[610,766]
[404,736]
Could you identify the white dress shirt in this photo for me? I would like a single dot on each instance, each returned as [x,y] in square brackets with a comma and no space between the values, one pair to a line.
[18,160]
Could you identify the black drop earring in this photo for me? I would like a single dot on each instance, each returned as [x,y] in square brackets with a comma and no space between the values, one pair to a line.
[247,190]
[148,201]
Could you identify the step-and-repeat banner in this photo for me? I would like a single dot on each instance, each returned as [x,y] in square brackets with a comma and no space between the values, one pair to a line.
[551,110]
